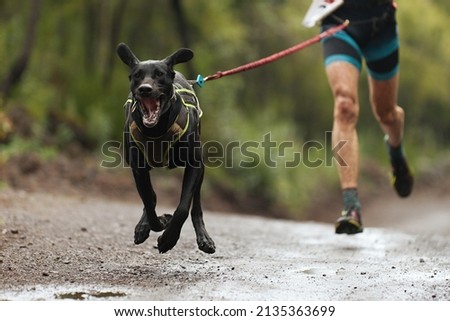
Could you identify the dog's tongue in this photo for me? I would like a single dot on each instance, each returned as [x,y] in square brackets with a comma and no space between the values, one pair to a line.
[150,108]
[150,105]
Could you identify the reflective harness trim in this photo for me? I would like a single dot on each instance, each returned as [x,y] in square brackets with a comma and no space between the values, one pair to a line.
[156,149]
[187,93]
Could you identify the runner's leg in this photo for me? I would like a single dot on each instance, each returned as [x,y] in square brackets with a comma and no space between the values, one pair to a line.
[343,80]
[383,98]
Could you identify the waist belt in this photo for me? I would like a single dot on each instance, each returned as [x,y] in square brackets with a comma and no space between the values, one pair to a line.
[156,149]
[365,3]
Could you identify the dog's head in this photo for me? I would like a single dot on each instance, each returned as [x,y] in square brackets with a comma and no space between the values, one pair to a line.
[151,81]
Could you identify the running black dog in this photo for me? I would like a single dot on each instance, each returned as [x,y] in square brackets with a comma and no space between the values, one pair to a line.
[162,129]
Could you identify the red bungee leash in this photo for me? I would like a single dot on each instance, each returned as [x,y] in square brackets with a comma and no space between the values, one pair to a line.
[219,74]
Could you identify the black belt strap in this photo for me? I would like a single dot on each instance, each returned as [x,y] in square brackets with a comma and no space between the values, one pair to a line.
[365,3]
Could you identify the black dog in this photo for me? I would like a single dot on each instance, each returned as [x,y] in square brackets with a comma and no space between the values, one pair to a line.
[162,129]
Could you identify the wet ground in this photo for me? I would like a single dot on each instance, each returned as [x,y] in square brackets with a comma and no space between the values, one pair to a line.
[56,247]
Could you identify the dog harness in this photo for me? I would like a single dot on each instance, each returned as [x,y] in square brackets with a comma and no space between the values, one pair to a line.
[156,149]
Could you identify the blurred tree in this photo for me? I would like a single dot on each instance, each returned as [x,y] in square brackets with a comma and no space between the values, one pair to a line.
[116,26]
[18,67]
[103,23]
[183,29]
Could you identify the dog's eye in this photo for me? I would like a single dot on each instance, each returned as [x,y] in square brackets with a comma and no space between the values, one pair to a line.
[158,73]
[138,74]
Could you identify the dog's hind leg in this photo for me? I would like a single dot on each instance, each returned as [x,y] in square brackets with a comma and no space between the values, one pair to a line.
[204,241]
[149,220]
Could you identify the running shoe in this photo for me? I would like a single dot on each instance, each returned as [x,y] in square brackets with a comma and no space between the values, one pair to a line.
[349,222]
[402,177]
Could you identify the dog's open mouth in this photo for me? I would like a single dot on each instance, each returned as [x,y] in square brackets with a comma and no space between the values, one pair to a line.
[151,108]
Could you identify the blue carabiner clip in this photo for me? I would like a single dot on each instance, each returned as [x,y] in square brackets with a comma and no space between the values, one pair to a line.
[200,81]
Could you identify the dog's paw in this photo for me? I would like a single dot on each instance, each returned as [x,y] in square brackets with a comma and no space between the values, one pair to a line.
[168,240]
[141,233]
[165,245]
[206,245]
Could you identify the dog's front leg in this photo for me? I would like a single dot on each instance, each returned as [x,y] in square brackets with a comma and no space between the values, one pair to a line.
[149,220]
[171,235]
[204,241]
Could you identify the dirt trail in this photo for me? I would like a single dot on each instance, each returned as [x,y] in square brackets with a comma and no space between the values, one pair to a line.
[59,247]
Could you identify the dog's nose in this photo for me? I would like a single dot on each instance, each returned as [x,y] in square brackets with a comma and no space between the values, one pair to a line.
[145,90]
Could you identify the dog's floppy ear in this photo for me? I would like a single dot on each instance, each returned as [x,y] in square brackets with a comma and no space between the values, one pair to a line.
[179,56]
[127,55]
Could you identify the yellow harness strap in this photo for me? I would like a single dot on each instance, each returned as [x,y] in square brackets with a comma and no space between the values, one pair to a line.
[188,98]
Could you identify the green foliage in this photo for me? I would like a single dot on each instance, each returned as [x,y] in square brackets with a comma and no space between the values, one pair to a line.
[74,70]
[20,146]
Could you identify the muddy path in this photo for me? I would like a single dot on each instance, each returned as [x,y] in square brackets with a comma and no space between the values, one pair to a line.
[77,247]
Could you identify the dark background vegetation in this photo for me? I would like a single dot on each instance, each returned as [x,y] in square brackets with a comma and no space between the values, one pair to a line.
[62,88]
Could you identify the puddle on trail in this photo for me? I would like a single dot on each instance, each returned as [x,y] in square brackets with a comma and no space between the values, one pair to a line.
[76,293]
[89,296]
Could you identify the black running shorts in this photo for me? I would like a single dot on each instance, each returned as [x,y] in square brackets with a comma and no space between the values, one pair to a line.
[371,35]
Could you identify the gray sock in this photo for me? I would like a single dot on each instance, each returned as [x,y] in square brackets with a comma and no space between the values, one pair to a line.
[351,200]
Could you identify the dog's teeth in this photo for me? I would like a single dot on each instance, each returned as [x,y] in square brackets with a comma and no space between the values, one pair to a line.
[150,111]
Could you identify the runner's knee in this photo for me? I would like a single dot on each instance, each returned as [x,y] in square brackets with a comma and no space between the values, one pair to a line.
[389,116]
[346,108]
